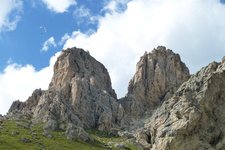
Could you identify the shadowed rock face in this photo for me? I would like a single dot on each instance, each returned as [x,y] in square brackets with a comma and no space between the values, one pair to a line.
[1,118]
[158,75]
[80,93]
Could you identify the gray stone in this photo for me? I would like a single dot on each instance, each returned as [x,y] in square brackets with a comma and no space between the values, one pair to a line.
[25,140]
[158,75]
[75,132]
[126,134]
[119,146]
[194,117]
[1,119]
[47,134]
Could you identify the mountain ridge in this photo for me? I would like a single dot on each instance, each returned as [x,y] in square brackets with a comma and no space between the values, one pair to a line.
[80,97]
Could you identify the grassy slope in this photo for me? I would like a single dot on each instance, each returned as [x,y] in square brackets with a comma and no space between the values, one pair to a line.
[11,133]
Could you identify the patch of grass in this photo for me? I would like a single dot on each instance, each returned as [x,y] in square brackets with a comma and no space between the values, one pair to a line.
[110,140]
[20,135]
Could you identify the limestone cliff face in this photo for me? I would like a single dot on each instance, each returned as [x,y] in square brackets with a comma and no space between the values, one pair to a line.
[158,75]
[86,84]
[75,65]
[194,118]
[79,94]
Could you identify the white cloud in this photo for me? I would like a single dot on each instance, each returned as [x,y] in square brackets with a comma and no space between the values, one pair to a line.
[193,28]
[18,82]
[49,43]
[83,14]
[114,6]
[9,14]
[64,39]
[59,6]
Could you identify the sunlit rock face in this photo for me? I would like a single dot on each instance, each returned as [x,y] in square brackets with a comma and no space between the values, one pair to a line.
[158,75]
[80,93]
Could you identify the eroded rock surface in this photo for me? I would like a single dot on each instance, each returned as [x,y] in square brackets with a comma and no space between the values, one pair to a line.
[80,94]
[194,118]
[158,75]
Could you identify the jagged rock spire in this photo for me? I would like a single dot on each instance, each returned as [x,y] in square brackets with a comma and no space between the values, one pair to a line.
[158,75]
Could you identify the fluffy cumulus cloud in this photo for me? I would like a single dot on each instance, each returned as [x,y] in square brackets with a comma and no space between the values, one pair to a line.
[195,29]
[59,6]
[10,14]
[18,82]
[48,43]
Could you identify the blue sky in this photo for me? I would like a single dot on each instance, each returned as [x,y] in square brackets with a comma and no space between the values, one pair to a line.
[36,25]
[116,32]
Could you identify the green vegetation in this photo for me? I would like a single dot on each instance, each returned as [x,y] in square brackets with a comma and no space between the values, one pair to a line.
[110,140]
[20,135]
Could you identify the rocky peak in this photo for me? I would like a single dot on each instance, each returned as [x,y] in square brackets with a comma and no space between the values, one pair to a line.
[28,105]
[158,75]
[80,65]
[79,96]
[194,116]
[16,105]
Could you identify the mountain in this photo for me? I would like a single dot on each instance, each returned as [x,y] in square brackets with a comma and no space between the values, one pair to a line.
[158,75]
[165,107]
[194,118]
[79,96]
